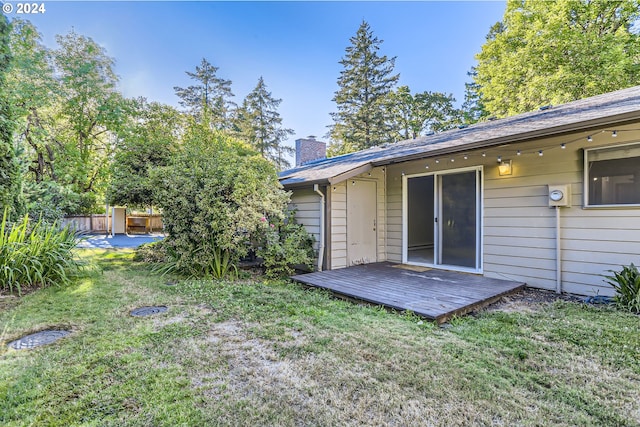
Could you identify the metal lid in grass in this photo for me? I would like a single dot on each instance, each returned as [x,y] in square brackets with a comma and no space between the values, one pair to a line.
[148,311]
[37,339]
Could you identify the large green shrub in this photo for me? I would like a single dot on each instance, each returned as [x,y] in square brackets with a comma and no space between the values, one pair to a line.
[213,196]
[284,245]
[35,254]
[627,286]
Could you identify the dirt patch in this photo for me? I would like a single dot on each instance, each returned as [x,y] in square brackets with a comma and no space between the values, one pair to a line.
[530,299]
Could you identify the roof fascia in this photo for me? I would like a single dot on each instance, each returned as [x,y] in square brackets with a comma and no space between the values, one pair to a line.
[520,138]
[350,173]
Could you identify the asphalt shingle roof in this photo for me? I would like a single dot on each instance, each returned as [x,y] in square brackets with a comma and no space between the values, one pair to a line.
[602,110]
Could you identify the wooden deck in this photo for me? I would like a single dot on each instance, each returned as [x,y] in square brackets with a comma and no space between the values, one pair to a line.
[434,294]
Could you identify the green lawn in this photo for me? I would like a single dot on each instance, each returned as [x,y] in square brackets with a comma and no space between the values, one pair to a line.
[273,353]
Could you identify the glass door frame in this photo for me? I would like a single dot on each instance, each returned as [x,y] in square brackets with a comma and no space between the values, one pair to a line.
[437,195]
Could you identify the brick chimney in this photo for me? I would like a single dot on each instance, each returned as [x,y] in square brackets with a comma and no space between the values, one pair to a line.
[308,150]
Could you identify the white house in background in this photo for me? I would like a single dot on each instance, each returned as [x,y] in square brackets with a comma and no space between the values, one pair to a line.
[550,198]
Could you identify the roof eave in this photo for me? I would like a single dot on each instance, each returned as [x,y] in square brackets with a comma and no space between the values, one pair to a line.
[519,138]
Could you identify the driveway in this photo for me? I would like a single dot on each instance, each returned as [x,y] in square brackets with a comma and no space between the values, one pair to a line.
[118,241]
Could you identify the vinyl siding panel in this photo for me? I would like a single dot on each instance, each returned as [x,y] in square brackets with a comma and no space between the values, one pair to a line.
[338,234]
[307,205]
[519,228]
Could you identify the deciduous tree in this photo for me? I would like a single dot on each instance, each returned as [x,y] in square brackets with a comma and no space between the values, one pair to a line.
[10,179]
[90,114]
[147,141]
[554,52]
[415,115]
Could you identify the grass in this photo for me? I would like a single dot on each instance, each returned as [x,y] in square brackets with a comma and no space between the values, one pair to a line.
[272,353]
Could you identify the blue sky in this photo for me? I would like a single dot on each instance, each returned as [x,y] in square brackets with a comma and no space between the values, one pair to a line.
[295,46]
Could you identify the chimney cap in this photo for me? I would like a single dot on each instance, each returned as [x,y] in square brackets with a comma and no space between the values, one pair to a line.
[313,137]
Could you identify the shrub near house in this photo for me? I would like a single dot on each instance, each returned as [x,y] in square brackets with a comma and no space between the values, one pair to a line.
[215,196]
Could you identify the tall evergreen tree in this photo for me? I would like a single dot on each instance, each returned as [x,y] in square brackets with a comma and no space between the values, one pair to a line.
[554,52]
[366,81]
[10,178]
[259,123]
[209,99]
[473,109]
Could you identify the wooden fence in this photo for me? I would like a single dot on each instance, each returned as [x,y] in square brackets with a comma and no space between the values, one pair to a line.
[96,223]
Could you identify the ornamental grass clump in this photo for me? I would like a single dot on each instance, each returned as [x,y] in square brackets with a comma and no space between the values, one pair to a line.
[35,254]
[627,286]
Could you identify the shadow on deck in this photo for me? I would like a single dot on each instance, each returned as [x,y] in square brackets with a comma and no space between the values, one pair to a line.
[433,294]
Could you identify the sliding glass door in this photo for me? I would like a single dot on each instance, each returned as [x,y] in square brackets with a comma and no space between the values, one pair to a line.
[442,219]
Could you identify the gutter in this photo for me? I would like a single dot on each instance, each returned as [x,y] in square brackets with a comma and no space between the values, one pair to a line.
[316,188]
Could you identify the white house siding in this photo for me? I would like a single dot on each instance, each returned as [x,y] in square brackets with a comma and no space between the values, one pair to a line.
[338,223]
[519,227]
[306,203]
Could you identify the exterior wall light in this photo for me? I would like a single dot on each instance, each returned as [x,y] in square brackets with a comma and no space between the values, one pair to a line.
[504,168]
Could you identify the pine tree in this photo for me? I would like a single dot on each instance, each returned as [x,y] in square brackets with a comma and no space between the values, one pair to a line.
[210,98]
[10,178]
[259,123]
[473,109]
[365,83]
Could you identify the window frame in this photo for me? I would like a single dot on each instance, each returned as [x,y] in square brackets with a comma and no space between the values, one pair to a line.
[586,180]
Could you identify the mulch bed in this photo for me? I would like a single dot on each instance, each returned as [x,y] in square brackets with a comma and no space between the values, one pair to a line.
[532,297]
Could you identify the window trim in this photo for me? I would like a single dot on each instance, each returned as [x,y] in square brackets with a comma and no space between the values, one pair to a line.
[585,176]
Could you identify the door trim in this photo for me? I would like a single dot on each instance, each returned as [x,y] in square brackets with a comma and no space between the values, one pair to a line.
[437,207]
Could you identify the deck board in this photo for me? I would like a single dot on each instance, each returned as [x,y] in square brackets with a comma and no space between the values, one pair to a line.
[434,294]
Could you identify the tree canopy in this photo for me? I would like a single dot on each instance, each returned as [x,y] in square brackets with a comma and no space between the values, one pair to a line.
[149,140]
[258,122]
[209,99]
[554,52]
[413,115]
[9,170]
[365,83]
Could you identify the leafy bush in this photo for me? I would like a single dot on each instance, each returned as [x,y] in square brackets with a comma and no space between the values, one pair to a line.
[213,195]
[35,254]
[284,245]
[627,286]
[154,252]
[51,201]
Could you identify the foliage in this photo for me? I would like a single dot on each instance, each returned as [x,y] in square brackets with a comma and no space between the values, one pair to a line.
[209,100]
[35,254]
[146,142]
[473,109]
[627,286]
[154,252]
[10,178]
[415,115]
[91,112]
[67,112]
[365,82]
[554,52]
[284,245]
[35,94]
[258,123]
[212,196]
[50,201]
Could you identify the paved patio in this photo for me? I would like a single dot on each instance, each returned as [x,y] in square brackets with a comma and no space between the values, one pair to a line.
[118,241]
